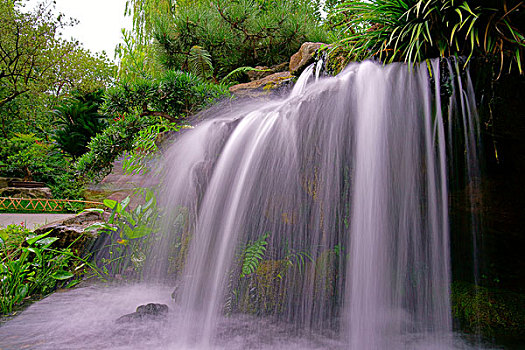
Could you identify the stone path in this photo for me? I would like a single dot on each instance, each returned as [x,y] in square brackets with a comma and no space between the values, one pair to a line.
[31,221]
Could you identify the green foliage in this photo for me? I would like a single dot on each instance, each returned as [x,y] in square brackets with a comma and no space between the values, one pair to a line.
[30,266]
[28,156]
[237,73]
[411,31]
[135,104]
[145,148]
[127,229]
[34,59]
[105,147]
[237,33]
[78,121]
[490,312]
[253,254]
[172,96]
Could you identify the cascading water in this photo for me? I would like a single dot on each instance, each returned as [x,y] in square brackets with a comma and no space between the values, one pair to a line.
[342,188]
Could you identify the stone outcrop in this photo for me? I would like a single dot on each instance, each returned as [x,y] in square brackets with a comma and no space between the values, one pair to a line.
[149,311]
[263,86]
[4,181]
[269,80]
[263,71]
[16,192]
[304,57]
[73,230]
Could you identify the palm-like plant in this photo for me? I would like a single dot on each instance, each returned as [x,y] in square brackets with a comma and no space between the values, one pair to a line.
[412,30]
[78,121]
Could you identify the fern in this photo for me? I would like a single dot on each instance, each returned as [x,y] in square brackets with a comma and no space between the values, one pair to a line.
[253,254]
[200,62]
[298,259]
[237,73]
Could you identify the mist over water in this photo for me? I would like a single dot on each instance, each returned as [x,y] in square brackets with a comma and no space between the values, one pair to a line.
[346,179]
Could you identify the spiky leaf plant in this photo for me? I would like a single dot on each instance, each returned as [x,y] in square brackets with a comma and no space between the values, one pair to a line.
[413,30]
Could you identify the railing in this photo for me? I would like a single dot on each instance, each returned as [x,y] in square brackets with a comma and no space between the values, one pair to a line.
[44,205]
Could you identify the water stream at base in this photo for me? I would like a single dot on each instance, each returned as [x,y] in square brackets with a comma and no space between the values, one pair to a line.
[345,179]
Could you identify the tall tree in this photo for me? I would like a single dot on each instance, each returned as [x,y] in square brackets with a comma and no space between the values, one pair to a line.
[35,60]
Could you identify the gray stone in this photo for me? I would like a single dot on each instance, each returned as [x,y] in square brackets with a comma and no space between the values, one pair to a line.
[73,230]
[149,311]
[4,181]
[15,192]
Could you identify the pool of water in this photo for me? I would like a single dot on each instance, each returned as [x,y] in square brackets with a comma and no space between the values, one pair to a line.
[85,318]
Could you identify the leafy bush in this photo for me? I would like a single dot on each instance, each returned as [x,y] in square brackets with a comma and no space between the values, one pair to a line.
[173,96]
[105,147]
[28,156]
[134,105]
[490,312]
[145,148]
[413,30]
[237,33]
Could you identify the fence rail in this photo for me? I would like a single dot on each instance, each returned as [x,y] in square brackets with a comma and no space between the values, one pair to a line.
[44,205]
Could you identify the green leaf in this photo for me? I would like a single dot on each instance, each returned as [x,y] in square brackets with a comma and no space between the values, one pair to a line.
[46,242]
[32,239]
[110,203]
[62,275]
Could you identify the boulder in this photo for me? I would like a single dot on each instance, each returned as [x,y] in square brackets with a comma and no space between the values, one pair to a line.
[15,192]
[149,311]
[262,87]
[73,230]
[304,57]
[263,71]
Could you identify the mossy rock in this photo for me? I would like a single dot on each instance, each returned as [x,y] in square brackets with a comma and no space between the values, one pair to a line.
[490,312]
[325,275]
[271,291]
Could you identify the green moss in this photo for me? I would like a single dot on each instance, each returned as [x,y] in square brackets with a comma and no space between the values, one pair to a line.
[270,289]
[490,312]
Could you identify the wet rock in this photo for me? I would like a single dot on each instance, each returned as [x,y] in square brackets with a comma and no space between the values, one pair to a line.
[15,192]
[262,87]
[304,57]
[149,311]
[73,230]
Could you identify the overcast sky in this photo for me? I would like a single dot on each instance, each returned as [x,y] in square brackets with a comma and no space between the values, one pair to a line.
[100,24]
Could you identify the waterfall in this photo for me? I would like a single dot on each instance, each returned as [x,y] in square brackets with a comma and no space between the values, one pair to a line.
[315,220]
[356,162]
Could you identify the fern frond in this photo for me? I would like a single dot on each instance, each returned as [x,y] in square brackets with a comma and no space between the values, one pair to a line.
[237,73]
[200,62]
[253,254]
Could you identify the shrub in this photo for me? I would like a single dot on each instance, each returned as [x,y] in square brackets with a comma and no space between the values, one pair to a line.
[136,105]
[105,147]
[25,155]
[173,96]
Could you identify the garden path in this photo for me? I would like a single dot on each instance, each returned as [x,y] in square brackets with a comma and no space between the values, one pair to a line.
[31,221]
